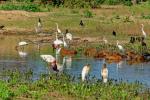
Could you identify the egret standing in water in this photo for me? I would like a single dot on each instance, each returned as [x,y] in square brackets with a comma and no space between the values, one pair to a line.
[104,73]
[85,72]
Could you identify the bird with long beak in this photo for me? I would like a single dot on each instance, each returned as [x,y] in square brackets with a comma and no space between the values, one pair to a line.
[104,73]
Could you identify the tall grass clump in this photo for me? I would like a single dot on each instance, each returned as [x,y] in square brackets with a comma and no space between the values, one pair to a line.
[88,14]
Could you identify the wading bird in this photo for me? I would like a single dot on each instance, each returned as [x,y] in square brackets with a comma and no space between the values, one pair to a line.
[38,28]
[120,46]
[85,72]
[50,60]
[21,44]
[144,34]
[58,30]
[68,35]
[104,73]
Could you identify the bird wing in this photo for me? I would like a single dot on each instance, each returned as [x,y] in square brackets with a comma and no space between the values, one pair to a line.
[48,58]
[69,36]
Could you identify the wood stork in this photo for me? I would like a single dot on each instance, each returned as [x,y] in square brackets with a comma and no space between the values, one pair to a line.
[120,46]
[104,73]
[58,30]
[85,72]
[144,34]
[38,28]
[56,66]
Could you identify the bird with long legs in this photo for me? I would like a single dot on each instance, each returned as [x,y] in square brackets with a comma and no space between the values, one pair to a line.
[85,72]
[104,73]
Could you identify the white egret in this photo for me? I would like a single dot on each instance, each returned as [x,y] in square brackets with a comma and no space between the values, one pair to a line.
[69,36]
[85,71]
[104,73]
[120,46]
[144,34]
[58,30]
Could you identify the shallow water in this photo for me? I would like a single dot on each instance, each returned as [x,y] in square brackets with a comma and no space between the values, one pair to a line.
[29,59]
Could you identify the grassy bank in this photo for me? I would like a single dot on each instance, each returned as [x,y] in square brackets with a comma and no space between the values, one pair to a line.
[63,86]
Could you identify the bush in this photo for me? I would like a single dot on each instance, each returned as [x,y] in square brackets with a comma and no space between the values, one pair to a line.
[113,2]
[88,14]
[127,3]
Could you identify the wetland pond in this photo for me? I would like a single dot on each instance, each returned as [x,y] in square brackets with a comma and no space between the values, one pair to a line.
[29,59]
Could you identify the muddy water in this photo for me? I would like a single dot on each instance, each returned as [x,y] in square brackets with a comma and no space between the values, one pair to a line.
[29,59]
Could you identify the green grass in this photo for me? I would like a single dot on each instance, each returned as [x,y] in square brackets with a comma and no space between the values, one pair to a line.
[64,86]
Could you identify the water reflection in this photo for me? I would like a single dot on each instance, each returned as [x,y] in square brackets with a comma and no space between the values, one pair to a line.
[22,54]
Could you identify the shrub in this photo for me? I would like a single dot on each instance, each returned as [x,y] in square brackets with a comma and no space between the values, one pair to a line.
[88,14]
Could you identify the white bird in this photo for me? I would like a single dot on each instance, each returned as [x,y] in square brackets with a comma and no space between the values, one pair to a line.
[120,46]
[22,43]
[104,73]
[57,41]
[58,30]
[54,62]
[69,36]
[48,58]
[144,34]
[85,71]
[38,28]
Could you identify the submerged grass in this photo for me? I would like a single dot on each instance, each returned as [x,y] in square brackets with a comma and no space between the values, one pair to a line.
[64,86]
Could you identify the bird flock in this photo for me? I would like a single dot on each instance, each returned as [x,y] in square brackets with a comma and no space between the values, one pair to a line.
[57,46]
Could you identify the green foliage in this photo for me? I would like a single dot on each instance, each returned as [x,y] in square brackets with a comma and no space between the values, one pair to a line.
[88,14]
[26,7]
[5,93]
[127,2]
[112,2]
